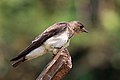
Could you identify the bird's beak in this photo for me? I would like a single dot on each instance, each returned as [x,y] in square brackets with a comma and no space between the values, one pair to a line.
[84,30]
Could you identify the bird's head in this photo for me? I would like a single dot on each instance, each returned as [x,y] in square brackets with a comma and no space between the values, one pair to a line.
[77,27]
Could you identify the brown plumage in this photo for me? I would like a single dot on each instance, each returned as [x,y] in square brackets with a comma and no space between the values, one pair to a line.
[55,29]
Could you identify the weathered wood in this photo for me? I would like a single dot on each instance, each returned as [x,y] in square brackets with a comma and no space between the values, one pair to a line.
[58,67]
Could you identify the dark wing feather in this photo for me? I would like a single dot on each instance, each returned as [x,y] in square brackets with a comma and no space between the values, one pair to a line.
[41,39]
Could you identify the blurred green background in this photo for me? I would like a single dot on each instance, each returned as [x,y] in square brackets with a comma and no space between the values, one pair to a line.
[95,56]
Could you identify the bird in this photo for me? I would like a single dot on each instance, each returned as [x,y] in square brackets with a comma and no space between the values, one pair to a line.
[52,40]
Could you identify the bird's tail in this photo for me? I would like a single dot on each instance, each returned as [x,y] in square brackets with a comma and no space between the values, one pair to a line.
[17,62]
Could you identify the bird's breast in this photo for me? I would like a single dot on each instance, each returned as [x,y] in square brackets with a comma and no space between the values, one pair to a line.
[56,41]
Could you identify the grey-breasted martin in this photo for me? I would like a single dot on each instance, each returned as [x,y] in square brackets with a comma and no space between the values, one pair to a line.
[51,40]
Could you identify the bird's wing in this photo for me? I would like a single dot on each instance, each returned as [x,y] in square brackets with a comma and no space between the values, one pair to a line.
[51,31]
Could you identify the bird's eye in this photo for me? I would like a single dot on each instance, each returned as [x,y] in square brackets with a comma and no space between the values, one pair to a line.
[81,26]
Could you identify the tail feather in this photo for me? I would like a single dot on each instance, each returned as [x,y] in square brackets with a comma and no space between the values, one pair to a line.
[14,59]
[17,62]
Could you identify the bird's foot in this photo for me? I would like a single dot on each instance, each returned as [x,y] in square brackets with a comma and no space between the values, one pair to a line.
[57,47]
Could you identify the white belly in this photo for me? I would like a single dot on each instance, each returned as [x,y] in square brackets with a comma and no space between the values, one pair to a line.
[56,41]
[49,45]
[36,52]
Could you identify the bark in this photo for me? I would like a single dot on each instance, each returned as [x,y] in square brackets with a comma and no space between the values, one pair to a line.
[58,67]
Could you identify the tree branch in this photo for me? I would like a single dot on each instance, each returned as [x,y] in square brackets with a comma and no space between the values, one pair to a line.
[58,67]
